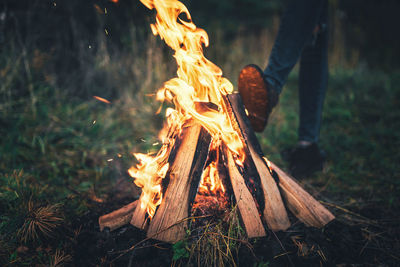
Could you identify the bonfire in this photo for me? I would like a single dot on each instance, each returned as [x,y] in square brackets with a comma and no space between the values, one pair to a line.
[210,158]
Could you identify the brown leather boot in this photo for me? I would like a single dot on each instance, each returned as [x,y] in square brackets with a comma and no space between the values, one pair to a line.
[258,97]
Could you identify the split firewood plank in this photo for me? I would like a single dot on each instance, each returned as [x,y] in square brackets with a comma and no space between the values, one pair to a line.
[168,223]
[274,210]
[118,217]
[248,211]
[306,208]
[139,217]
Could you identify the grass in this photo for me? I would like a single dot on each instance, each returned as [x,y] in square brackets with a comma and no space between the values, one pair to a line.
[62,155]
[217,243]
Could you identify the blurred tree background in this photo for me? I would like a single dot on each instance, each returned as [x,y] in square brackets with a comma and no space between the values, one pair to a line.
[67,154]
[64,37]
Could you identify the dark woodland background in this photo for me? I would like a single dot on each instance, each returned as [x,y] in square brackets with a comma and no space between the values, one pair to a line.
[64,155]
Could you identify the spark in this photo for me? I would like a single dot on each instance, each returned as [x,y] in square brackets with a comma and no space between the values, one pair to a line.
[101,99]
[98,9]
[110,160]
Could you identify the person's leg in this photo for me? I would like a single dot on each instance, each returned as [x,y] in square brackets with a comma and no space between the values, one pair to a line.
[297,24]
[307,157]
[260,90]
[313,79]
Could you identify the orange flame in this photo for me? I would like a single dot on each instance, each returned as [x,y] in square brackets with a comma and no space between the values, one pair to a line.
[198,80]
[151,170]
[210,181]
[268,164]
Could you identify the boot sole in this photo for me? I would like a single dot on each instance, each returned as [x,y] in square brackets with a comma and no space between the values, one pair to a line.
[254,93]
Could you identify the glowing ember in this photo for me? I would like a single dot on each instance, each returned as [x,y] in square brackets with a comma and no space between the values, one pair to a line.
[198,80]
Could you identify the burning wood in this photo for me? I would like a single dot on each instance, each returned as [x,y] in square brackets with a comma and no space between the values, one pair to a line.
[274,210]
[300,203]
[118,218]
[182,183]
[184,177]
[247,207]
[208,145]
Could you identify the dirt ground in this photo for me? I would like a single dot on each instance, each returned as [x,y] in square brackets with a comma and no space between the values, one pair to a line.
[350,240]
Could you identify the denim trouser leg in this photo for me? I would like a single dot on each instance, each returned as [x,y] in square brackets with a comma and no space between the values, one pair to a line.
[313,78]
[295,38]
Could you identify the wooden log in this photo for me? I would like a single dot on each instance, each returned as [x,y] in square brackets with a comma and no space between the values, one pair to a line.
[248,211]
[139,217]
[274,210]
[306,208]
[168,223]
[118,217]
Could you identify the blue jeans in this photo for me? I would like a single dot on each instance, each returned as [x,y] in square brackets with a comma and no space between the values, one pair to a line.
[298,38]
